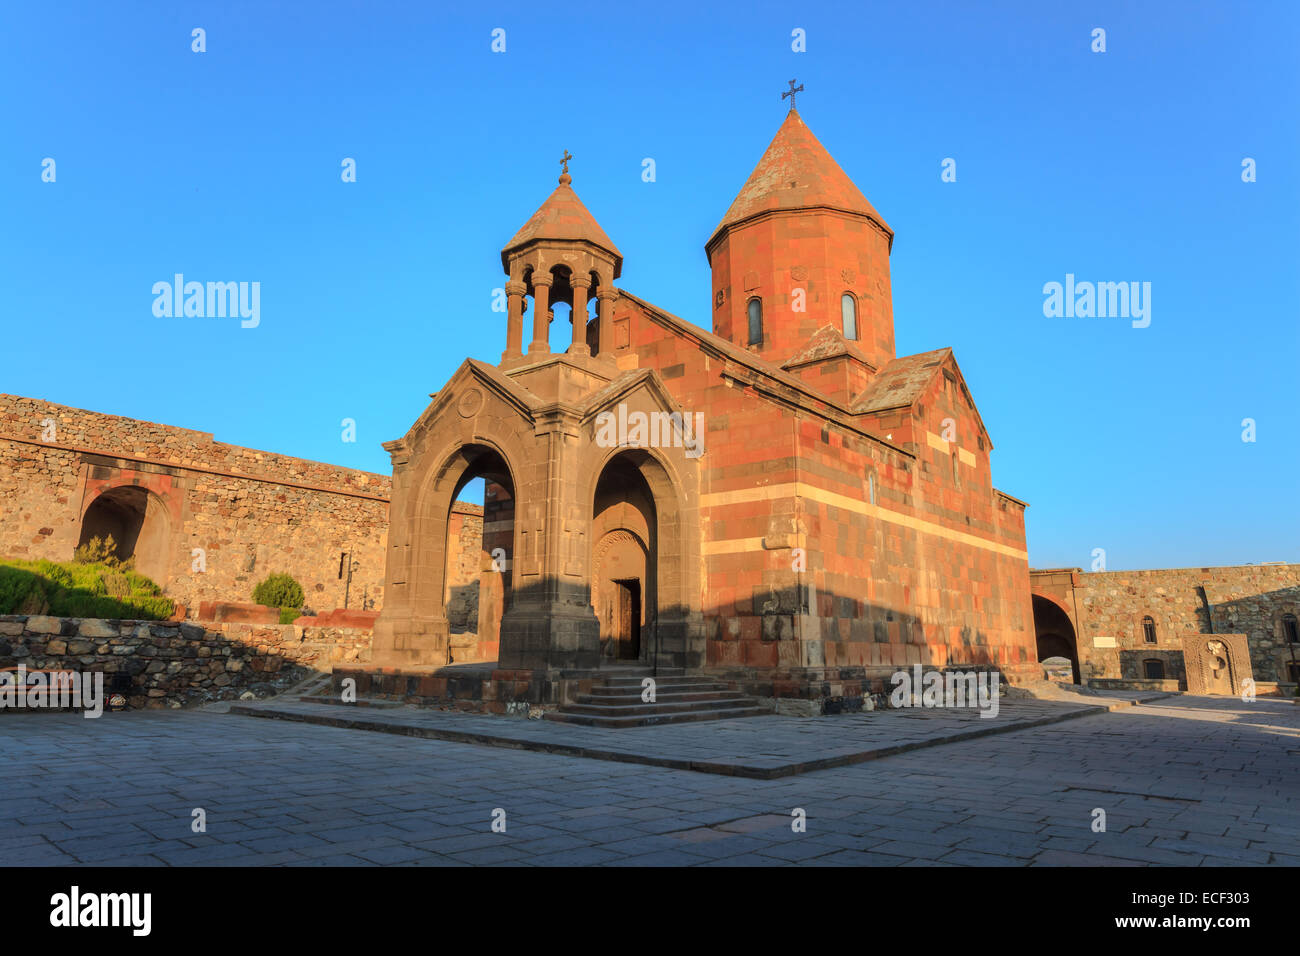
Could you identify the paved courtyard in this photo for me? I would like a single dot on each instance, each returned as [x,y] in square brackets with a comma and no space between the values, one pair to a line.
[1182,780]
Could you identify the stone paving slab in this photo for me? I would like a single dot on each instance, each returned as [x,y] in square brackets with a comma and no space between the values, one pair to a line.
[1184,781]
[761,748]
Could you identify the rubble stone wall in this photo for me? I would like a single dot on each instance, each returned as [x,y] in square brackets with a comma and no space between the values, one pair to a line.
[173,664]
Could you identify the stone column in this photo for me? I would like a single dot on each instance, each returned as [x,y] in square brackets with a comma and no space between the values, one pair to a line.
[580,284]
[541,314]
[514,320]
[550,624]
[605,295]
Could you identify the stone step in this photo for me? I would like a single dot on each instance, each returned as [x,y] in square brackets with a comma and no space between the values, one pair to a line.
[661,707]
[679,698]
[650,720]
[375,702]
[599,696]
[661,690]
[660,681]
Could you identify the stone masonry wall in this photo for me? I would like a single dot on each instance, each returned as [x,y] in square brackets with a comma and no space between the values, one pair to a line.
[906,557]
[249,512]
[1107,609]
[175,665]
[1254,603]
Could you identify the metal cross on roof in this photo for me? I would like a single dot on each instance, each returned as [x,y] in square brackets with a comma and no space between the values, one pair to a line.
[564,161]
[792,91]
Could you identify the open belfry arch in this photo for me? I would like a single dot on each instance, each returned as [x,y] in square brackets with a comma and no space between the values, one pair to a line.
[807,513]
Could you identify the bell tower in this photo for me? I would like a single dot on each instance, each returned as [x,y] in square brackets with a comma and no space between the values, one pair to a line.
[560,255]
[801,248]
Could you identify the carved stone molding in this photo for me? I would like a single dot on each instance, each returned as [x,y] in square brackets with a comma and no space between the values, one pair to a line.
[470,403]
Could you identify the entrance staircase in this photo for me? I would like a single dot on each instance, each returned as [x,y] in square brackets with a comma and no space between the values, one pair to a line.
[616,702]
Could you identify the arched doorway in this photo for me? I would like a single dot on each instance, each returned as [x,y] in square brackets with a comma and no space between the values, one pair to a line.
[477,585]
[620,574]
[1055,633]
[625,560]
[139,525]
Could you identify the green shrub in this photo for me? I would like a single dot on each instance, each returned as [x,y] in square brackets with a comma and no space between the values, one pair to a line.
[96,551]
[22,592]
[290,614]
[278,590]
[80,590]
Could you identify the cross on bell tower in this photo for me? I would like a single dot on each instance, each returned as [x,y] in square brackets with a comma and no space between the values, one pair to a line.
[791,92]
[560,255]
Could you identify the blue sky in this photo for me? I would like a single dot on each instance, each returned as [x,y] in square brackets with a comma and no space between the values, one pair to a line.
[1115,166]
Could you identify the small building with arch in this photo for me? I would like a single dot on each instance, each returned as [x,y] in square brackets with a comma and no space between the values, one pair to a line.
[1201,630]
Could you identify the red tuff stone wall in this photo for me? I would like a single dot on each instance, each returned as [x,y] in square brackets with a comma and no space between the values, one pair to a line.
[251,512]
[1105,610]
[830,552]
[825,255]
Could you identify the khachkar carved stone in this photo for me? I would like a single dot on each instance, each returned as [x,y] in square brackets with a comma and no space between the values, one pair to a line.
[1216,663]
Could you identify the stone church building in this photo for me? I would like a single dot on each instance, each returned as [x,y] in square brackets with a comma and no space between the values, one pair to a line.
[767,493]
[765,498]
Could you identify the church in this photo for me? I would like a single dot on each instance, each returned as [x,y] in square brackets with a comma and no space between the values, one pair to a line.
[759,504]
[814,513]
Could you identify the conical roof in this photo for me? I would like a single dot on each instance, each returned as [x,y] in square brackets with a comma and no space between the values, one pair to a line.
[796,172]
[563,217]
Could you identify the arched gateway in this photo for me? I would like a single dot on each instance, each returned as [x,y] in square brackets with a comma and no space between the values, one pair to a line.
[1054,632]
[139,524]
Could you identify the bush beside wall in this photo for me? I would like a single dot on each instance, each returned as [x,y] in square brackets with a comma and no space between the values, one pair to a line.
[71,589]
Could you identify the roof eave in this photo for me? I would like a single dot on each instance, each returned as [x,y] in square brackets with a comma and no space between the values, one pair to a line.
[726,226]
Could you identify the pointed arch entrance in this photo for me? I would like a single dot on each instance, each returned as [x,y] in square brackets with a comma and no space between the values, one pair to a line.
[622,587]
[1054,632]
[486,570]
[430,568]
[139,525]
[639,565]
[624,562]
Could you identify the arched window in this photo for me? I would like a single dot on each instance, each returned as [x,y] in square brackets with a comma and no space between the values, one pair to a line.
[1148,630]
[1153,669]
[755,310]
[1289,629]
[849,315]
